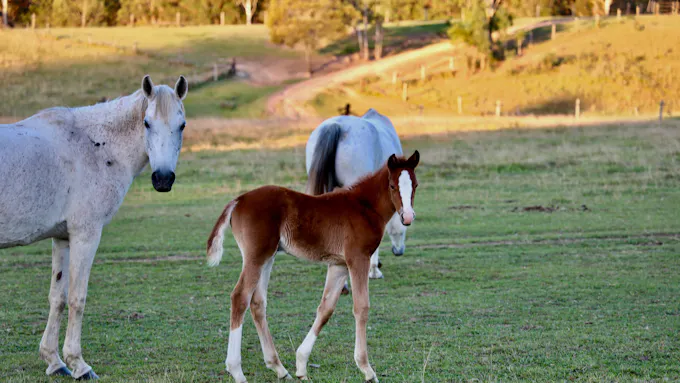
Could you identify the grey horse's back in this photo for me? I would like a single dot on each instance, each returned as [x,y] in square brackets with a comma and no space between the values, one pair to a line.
[322,172]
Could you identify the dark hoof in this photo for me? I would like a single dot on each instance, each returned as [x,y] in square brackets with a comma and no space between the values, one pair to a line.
[89,376]
[345,291]
[379,265]
[62,372]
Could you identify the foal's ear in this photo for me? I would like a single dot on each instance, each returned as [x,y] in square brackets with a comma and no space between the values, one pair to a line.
[147,86]
[413,160]
[392,162]
[181,87]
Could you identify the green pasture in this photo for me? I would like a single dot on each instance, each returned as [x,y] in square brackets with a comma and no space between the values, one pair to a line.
[537,255]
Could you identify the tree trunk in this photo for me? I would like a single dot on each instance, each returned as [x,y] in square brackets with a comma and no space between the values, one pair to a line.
[360,40]
[5,8]
[378,40]
[248,7]
[83,17]
[367,53]
[607,7]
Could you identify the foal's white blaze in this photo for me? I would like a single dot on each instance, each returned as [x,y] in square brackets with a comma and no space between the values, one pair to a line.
[406,191]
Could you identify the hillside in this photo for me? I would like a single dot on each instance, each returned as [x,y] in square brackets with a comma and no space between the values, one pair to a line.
[622,68]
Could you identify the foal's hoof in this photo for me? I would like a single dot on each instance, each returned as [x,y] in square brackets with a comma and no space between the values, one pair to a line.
[89,376]
[373,380]
[63,371]
[345,291]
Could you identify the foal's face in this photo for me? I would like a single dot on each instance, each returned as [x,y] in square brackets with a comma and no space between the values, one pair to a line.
[164,122]
[403,184]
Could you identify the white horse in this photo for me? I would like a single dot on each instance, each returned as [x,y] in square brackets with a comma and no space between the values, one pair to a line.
[64,174]
[344,149]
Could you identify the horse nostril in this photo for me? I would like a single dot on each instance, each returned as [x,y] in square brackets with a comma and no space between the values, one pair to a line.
[172,178]
[154,177]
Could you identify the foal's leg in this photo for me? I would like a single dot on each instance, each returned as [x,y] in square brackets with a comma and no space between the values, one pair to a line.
[240,300]
[258,309]
[83,248]
[358,270]
[49,344]
[335,281]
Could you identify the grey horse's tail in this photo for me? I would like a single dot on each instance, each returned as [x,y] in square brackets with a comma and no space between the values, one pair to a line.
[322,177]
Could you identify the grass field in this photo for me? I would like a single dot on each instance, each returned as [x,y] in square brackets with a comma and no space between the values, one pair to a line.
[622,68]
[543,255]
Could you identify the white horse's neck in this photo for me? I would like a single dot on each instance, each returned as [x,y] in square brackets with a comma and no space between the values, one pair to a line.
[118,126]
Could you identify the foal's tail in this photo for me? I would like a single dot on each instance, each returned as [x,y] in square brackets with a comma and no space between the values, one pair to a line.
[322,177]
[216,240]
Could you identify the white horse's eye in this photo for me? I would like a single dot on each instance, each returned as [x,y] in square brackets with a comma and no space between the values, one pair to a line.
[146,124]
[181,127]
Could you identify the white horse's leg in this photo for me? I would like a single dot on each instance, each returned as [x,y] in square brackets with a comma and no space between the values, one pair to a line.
[335,281]
[83,248]
[258,309]
[397,233]
[49,345]
[374,272]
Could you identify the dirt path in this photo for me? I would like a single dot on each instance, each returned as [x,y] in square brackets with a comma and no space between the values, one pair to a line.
[291,101]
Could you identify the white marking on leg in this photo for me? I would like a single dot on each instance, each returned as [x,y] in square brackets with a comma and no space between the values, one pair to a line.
[406,191]
[303,352]
[233,361]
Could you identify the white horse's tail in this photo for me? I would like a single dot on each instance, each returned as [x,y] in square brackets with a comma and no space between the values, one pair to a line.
[216,240]
[322,177]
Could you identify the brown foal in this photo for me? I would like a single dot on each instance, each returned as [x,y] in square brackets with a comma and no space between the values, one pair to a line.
[342,229]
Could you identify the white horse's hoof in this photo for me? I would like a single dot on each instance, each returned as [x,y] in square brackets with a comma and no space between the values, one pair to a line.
[303,377]
[375,273]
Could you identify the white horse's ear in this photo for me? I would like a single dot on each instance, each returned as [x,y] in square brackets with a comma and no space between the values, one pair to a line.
[414,159]
[147,86]
[181,87]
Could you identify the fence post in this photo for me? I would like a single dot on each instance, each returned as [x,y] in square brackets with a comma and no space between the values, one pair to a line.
[132,19]
[657,8]
[553,32]
[538,10]
[395,74]
[637,10]
[618,14]
[577,111]
[221,18]
[498,108]
[661,104]
[135,48]
[178,19]
[451,66]
[215,74]
[460,105]
[422,72]
[597,20]
[33,21]
[404,91]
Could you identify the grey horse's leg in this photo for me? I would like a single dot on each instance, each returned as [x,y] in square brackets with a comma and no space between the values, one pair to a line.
[83,249]
[49,345]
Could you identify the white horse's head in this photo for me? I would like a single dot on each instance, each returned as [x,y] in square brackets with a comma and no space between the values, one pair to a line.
[164,122]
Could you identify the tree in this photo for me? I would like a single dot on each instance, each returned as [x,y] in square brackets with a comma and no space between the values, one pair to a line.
[249,6]
[81,12]
[305,22]
[482,19]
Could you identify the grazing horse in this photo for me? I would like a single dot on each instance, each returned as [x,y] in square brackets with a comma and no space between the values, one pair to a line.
[65,172]
[342,229]
[345,148]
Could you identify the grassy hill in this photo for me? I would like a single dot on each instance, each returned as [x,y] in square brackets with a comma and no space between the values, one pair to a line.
[622,68]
